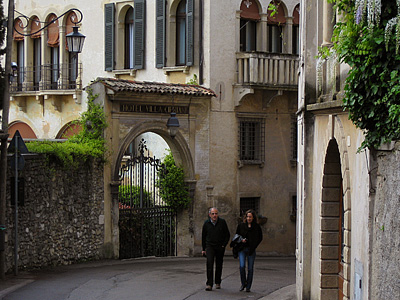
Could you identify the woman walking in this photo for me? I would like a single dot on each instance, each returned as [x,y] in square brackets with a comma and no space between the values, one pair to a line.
[252,237]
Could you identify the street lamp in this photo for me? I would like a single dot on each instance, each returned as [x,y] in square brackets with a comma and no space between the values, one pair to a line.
[173,125]
[75,40]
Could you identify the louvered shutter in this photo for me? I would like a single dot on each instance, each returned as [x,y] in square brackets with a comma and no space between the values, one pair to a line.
[160,33]
[189,32]
[109,15]
[139,20]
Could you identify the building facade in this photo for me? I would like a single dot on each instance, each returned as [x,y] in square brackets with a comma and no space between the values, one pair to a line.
[238,134]
[338,187]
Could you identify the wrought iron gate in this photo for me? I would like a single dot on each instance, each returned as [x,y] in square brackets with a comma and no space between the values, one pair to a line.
[147,225]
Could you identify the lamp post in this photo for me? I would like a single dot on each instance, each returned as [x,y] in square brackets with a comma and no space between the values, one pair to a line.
[173,125]
[75,42]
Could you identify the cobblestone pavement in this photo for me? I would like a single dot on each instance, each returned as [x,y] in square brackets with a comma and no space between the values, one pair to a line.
[150,278]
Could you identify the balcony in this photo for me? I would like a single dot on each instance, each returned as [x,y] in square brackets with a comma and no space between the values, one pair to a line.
[47,78]
[267,70]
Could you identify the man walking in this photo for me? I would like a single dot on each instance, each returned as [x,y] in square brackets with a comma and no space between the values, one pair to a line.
[215,237]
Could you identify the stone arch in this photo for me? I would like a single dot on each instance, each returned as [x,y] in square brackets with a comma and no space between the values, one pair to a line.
[335,219]
[179,147]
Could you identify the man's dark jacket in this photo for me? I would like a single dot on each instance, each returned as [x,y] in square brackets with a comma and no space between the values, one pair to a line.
[215,235]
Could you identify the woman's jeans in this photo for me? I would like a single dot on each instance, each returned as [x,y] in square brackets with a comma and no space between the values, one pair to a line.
[246,282]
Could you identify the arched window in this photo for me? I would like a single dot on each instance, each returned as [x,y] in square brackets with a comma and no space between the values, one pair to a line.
[276,21]
[53,41]
[249,16]
[181,34]
[19,39]
[296,34]
[73,57]
[129,39]
[37,52]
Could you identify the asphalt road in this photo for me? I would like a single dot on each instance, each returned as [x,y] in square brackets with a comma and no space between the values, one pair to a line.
[149,278]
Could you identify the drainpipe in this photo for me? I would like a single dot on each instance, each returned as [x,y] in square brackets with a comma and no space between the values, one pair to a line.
[201,58]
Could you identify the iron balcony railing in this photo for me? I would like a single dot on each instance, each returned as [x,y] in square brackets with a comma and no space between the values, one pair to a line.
[270,70]
[48,77]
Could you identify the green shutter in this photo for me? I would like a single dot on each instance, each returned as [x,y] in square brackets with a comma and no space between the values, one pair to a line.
[109,36]
[139,20]
[189,32]
[160,33]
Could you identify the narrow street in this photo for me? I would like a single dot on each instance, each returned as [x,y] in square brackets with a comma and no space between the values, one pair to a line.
[149,278]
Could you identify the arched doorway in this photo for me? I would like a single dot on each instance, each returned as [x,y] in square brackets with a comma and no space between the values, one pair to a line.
[335,229]
[147,225]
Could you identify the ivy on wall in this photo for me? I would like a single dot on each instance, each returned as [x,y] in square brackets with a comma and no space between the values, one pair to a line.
[89,142]
[366,37]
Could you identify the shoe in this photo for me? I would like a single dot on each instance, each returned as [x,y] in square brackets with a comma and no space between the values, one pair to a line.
[248,290]
[208,288]
[218,286]
[241,288]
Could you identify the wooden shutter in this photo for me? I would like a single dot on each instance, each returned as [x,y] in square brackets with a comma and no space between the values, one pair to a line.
[109,20]
[189,32]
[160,33]
[139,21]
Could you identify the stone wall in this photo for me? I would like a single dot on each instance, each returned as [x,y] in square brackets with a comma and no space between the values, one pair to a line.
[61,220]
[386,227]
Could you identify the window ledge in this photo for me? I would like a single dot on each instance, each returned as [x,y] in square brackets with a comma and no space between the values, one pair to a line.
[130,72]
[242,163]
[184,69]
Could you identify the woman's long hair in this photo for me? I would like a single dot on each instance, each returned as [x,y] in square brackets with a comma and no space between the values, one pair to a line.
[250,211]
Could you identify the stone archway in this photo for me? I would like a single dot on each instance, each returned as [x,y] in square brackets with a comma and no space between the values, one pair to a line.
[178,145]
[335,227]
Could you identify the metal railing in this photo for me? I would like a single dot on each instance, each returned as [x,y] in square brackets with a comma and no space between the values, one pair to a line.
[267,69]
[48,77]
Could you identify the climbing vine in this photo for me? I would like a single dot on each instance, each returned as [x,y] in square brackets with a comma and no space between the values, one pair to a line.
[367,38]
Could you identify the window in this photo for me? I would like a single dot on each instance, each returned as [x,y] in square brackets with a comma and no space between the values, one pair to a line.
[182,52]
[131,36]
[275,38]
[19,39]
[129,39]
[55,67]
[37,52]
[251,140]
[72,57]
[249,15]
[296,37]
[247,35]
[249,203]
[53,41]
[20,63]
[276,24]
[181,34]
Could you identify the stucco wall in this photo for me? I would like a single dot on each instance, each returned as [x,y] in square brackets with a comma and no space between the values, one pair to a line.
[61,219]
[385,230]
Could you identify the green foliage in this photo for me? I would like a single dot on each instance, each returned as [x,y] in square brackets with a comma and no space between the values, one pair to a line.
[173,189]
[129,196]
[193,81]
[372,87]
[84,145]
